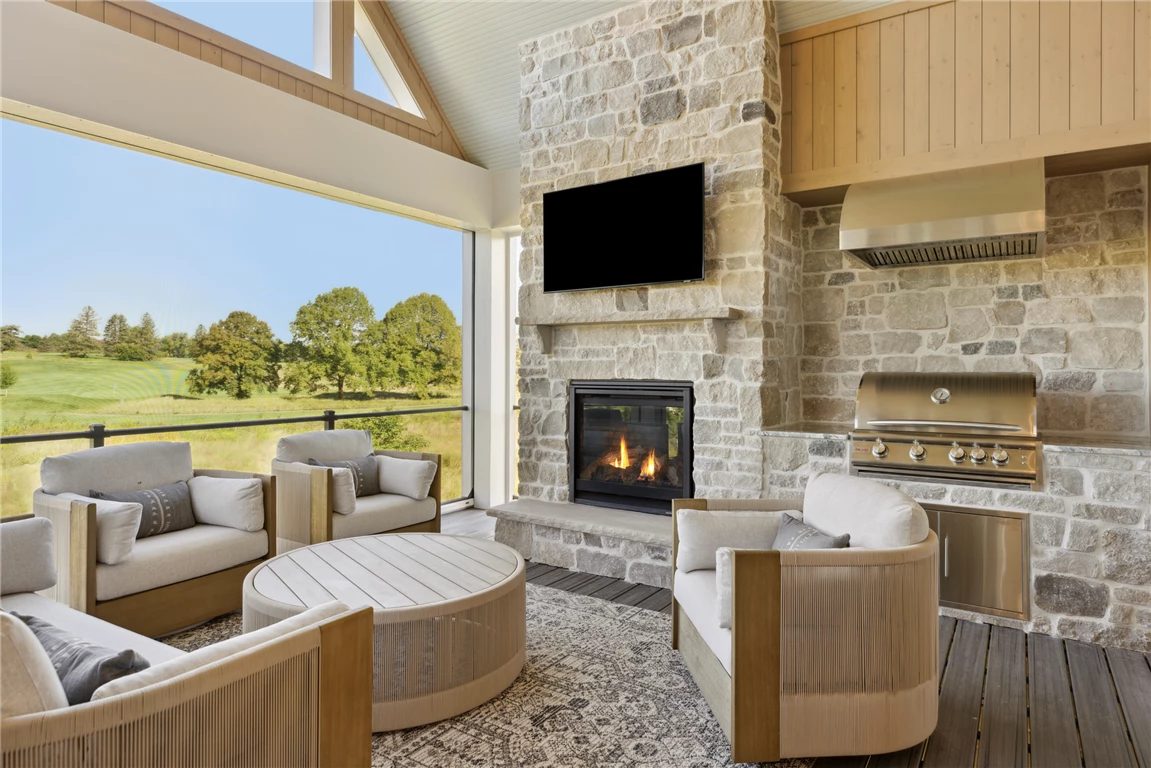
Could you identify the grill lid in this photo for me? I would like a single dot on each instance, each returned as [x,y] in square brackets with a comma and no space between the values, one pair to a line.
[947,403]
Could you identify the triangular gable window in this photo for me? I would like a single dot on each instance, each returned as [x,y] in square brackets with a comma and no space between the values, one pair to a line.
[375,72]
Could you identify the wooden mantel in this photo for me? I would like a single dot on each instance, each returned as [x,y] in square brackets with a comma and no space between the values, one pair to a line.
[715,316]
[919,87]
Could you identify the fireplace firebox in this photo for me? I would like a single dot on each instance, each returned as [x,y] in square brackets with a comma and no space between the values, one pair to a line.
[629,444]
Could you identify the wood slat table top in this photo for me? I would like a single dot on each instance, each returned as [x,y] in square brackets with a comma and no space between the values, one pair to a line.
[396,570]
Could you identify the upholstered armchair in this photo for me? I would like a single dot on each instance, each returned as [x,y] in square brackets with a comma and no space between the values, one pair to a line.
[316,503]
[164,582]
[826,651]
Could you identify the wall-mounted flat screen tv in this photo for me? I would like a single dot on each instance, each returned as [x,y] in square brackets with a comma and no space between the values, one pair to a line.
[641,230]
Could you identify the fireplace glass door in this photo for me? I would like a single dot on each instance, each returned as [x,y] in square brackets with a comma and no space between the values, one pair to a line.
[631,444]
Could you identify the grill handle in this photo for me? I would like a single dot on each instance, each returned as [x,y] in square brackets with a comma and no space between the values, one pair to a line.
[957,424]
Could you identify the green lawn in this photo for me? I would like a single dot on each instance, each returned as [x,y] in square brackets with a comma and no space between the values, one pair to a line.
[54,393]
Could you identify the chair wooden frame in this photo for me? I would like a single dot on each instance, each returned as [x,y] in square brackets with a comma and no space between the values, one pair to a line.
[154,612]
[304,501]
[833,652]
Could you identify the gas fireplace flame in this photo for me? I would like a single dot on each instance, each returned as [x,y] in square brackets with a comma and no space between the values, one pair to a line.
[648,469]
[621,461]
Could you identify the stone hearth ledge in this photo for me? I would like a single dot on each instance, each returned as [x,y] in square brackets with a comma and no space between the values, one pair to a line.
[606,542]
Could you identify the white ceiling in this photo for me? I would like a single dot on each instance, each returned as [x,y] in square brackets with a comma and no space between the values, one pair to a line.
[469,52]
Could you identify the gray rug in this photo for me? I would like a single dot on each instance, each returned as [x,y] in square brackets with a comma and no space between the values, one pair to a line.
[601,687]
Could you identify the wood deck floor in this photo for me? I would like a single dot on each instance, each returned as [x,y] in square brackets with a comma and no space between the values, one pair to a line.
[1007,699]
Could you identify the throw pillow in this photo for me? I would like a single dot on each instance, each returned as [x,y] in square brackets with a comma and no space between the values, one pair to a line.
[703,531]
[876,515]
[343,491]
[117,523]
[364,475]
[82,666]
[28,683]
[406,477]
[795,535]
[27,563]
[233,502]
[165,509]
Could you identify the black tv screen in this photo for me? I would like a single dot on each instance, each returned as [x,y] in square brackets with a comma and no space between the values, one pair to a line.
[640,230]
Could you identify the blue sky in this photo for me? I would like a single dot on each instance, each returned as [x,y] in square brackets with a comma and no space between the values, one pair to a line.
[90,223]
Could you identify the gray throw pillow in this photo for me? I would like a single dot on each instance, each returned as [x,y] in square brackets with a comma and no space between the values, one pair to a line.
[365,473]
[166,509]
[795,535]
[82,666]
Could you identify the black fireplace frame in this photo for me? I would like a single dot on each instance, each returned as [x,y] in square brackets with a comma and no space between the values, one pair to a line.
[651,501]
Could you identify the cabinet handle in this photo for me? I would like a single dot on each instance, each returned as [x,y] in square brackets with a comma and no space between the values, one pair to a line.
[946,557]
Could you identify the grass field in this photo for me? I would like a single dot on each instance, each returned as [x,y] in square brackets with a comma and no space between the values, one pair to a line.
[54,393]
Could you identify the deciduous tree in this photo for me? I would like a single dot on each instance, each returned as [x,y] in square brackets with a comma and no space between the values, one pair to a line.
[238,356]
[176,345]
[422,344]
[330,343]
[8,375]
[10,337]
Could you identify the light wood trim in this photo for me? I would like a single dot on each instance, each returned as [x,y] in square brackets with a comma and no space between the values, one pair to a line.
[856,20]
[14,518]
[891,87]
[82,557]
[712,679]
[1086,62]
[1142,33]
[968,73]
[1054,66]
[867,93]
[845,97]
[346,690]
[801,80]
[917,72]
[1024,67]
[941,74]
[164,610]
[755,678]
[342,46]
[320,504]
[786,131]
[823,102]
[1118,61]
[996,71]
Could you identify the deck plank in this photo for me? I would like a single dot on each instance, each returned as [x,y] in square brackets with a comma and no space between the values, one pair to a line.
[946,633]
[1053,734]
[571,581]
[1101,725]
[1003,729]
[1133,682]
[547,579]
[596,584]
[657,601]
[612,591]
[954,740]
[636,595]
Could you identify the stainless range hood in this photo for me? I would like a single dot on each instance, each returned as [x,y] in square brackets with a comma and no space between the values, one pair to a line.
[974,214]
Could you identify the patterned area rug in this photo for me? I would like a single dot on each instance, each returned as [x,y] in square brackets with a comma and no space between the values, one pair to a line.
[601,687]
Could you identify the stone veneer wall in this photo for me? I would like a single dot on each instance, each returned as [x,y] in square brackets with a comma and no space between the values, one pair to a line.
[1090,533]
[1077,317]
[652,86]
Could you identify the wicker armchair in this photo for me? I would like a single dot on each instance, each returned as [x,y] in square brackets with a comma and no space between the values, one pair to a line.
[830,652]
[304,503]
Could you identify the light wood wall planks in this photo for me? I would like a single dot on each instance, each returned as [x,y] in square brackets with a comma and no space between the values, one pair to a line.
[171,30]
[917,78]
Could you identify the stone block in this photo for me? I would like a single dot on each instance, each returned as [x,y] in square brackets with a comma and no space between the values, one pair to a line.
[701,97]
[1127,556]
[1132,595]
[1010,312]
[682,32]
[724,62]
[738,22]
[1059,311]
[970,297]
[1032,502]
[1121,225]
[1122,487]
[1119,309]
[977,274]
[1106,348]
[1069,595]
[823,305]
[1000,347]
[1038,341]
[1117,413]
[918,278]
[1083,537]
[916,311]
[976,497]
[856,344]
[1072,563]
[1069,381]
[1108,513]
[600,563]
[784,454]
[1123,381]
[1007,292]
[1062,413]
[967,324]
[1032,292]
[652,574]
[1074,256]
[820,339]
[941,364]
[897,343]
[1069,195]
[1046,530]
[516,535]
[642,42]
[553,553]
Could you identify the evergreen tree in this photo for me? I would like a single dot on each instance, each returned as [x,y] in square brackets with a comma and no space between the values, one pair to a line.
[81,339]
[139,342]
[238,356]
[115,333]
[330,343]
[422,345]
[197,337]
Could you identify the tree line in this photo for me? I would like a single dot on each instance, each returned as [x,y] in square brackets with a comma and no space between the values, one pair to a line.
[337,343]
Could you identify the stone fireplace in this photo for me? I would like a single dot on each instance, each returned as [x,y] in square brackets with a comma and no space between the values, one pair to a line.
[630,444]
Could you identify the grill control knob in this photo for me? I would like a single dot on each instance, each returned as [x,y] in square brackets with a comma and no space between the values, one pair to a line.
[879,450]
[917,452]
[956,453]
[999,456]
[978,455]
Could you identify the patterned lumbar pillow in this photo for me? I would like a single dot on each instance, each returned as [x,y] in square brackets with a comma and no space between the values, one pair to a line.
[82,666]
[364,474]
[166,509]
[795,535]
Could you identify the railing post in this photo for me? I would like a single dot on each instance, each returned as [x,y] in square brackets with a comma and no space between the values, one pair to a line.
[329,419]
[97,435]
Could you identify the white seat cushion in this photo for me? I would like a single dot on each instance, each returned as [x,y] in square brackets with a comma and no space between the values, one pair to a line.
[382,513]
[330,445]
[202,657]
[28,681]
[89,627]
[696,594]
[177,556]
[116,468]
[876,515]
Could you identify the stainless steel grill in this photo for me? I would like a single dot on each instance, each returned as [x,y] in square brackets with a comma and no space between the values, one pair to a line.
[973,428]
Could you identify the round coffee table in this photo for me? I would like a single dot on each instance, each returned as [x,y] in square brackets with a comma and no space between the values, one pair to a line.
[449,615]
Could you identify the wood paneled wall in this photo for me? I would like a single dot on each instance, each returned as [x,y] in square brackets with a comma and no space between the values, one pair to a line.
[173,31]
[927,78]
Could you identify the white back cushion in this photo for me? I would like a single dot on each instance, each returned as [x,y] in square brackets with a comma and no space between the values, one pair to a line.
[26,560]
[117,523]
[876,515]
[233,502]
[703,531]
[114,468]
[218,652]
[28,682]
[330,445]
[406,477]
[343,490]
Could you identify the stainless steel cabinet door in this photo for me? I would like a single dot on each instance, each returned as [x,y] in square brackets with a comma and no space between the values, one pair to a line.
[983,561]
